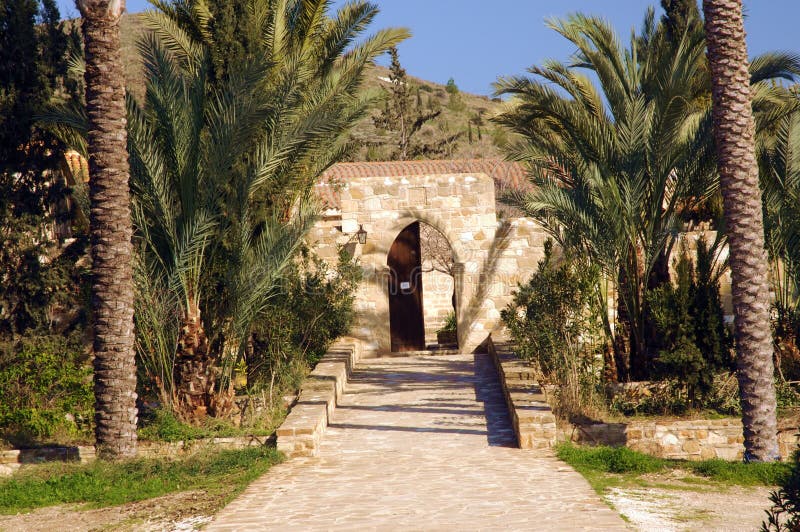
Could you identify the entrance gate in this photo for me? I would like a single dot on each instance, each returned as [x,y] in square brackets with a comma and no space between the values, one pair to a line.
[406,319]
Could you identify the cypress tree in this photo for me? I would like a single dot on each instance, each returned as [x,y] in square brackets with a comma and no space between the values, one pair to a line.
[398,116]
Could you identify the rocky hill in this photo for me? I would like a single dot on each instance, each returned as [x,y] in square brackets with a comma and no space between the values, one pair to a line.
[465,113]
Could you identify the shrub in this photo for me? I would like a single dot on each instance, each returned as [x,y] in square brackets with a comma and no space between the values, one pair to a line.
[314,308]
[450,323]
[46,386]
[693,343]
[785,511]
[554,324]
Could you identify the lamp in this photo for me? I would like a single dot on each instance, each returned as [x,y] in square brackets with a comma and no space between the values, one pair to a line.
[361,235]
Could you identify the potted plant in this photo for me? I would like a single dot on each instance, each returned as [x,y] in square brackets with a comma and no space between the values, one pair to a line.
[448,334]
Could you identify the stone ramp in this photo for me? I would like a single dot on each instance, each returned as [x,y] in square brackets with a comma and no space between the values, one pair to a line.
[422,443]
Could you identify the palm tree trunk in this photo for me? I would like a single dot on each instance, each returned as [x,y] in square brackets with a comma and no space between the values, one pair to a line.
[734,135]
[195,375]
[111,231]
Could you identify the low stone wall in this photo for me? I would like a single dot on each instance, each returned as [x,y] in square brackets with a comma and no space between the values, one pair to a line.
[695,439]
[301,432]
[531,416]
[11,460]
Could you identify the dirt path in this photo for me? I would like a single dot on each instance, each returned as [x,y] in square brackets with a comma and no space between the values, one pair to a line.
[421,443]
[178,511]
[666,510]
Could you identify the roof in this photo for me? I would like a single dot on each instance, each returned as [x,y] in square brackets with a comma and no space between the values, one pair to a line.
[506,175]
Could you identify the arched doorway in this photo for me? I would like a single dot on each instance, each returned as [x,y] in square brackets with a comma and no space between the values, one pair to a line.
[406,318]
[438,278]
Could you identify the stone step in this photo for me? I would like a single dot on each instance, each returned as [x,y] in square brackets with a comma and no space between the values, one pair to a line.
[424,352]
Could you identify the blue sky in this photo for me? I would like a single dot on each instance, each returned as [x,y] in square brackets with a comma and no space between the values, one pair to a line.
[475,41]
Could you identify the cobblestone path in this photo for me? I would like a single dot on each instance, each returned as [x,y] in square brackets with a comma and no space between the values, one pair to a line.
[421,443]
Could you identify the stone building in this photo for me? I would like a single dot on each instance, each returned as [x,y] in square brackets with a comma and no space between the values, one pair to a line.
[492,249]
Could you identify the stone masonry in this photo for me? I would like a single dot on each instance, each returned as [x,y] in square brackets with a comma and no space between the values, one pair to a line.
[420,443]
[491,255]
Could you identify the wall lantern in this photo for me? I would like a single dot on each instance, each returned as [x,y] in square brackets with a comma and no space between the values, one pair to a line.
[361,235]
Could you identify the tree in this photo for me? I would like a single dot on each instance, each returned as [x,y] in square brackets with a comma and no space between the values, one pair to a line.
[253,129]
[399,116]
[33,48]
[619,170]
[734,132]
[616,167]
[454,101]
[111,231]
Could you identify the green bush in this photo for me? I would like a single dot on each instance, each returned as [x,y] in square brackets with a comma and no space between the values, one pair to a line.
[450,323]
[554,323]
[785,511]
[46,386]
[314,308]
[692,341]
[552,313]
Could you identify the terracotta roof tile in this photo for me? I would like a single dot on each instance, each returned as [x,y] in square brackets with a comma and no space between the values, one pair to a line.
[506,175]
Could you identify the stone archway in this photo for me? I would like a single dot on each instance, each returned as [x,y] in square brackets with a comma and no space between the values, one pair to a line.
[384,198]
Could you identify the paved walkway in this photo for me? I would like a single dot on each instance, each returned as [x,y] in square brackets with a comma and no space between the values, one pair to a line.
[421,444]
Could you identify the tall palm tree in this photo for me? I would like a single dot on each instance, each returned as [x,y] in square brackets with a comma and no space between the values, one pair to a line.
[734,133]
[615,168]
[111,231]
[222,197]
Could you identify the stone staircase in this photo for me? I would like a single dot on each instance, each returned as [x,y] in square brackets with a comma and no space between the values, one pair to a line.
[431,351]
[533,419]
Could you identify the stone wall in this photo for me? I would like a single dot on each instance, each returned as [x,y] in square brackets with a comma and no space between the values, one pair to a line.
[687,439]
[491,256]
[11,460]
[302,431]
[531,416]
[698,439]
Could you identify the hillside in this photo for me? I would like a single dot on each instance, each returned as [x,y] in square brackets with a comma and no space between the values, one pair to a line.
[454,118]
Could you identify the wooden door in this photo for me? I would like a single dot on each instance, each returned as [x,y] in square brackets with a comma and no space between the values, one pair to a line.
[406,320]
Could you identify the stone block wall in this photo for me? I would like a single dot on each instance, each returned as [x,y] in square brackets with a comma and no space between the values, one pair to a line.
[12,460]
[686,439]
[531,416]
[491,256]
[302,431]
[699,439]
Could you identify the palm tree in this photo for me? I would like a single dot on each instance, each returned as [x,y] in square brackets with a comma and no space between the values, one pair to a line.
[615,170]
[223,161]
[734,133]
[111,231]
[619,170]
[223,196]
